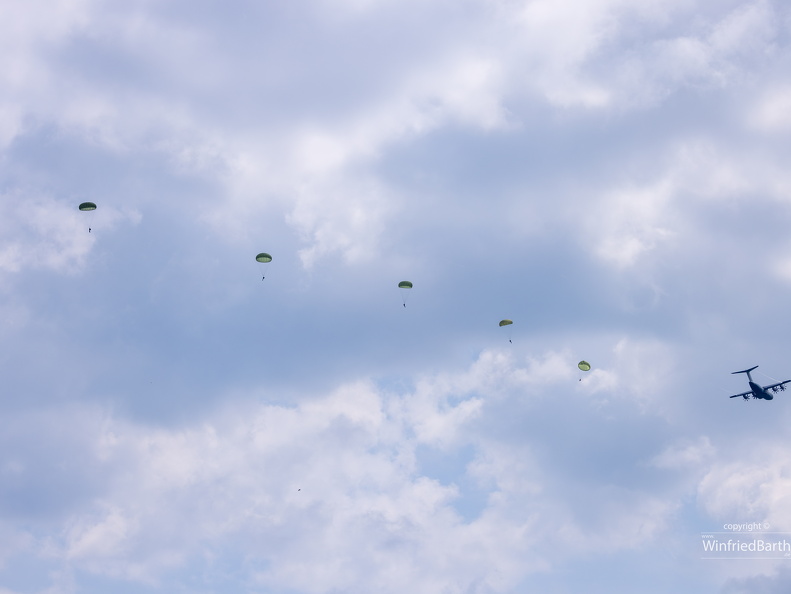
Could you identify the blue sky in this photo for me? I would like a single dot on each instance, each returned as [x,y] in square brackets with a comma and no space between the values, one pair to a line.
[611,175]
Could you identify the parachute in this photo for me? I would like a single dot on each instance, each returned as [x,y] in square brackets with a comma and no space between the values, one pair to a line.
[404,286]
[87,207]
[264,258]
[507,323]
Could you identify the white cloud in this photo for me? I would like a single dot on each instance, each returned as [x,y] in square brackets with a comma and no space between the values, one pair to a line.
[329,495]
[686,454]
[635,224]
[42,232]
[643,368]
[749,29]
[643,227]
[316,166]
[750,489]
[336,209]
[772,112]
[103,537]
[27,35]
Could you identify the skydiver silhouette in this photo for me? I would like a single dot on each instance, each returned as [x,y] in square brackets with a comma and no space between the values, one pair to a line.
[89,229]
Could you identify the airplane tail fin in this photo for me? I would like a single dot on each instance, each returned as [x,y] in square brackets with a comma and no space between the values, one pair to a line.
[744,370]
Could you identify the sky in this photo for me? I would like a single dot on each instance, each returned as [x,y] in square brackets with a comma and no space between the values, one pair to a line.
[612,175]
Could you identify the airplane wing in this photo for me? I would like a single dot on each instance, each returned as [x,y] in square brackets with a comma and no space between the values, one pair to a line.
[780,385]
[744,395]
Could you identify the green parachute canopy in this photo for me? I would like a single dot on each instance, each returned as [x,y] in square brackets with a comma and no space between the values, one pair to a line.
[506,322]
[87,206]
[404,285]
[584,366]
[263,257]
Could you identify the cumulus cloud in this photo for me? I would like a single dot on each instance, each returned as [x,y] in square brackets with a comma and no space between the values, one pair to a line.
[39,231]
[686,454]
[318,166]
[329,493]
[632,228]
[749,488]
[771,112]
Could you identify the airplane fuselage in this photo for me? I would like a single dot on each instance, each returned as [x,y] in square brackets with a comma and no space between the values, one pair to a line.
[759,392]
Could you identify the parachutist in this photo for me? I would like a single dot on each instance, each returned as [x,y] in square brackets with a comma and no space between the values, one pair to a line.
[89,229]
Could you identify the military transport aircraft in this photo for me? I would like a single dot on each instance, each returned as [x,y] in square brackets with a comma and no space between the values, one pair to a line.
[757,391]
